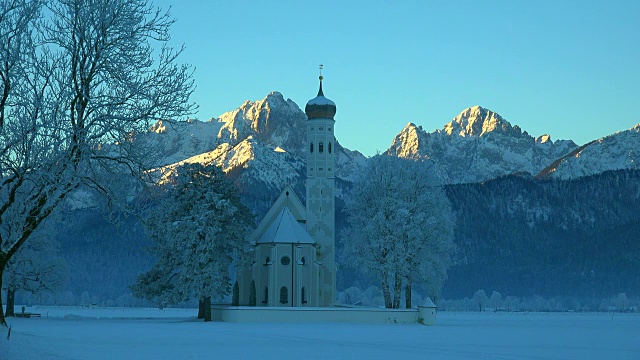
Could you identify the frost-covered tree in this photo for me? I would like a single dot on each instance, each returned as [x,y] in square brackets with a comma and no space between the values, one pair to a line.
[35,268]
[480,299]
[622,302]
[496,300]
[76,88]
[199,229]
[399,225]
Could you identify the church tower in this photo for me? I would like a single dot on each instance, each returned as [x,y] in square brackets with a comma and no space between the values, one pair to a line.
[321,147]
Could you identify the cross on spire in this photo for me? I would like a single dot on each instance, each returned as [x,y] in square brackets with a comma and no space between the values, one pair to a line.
[320,91]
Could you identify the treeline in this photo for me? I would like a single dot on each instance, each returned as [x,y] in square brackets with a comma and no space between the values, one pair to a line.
[614,303]
[549,238]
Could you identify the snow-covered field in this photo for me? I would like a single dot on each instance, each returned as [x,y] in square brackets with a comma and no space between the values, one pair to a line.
[97,333]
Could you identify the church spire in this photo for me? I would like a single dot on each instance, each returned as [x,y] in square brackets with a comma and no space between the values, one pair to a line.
[320,106]
[320,93]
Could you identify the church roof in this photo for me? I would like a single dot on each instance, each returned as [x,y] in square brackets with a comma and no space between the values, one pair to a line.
[285,229]
[287,199]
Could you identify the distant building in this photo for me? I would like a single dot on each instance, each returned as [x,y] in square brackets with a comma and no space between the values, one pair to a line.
[295,244]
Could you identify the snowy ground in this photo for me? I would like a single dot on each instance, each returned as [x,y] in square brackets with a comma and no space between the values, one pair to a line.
[80,333]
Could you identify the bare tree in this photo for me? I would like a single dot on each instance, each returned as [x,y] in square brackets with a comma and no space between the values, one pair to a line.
[78,86]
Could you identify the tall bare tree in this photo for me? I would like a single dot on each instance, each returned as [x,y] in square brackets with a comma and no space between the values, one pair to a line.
[78,86]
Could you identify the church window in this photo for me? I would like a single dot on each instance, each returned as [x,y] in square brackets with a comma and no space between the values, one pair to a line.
[320,147]
[266,295]
[285,260]
[302,295]
[329,148]
[329,129]
[320,169]
[320,128]
[303,261]
[284,295]
[311,147]
[266,261]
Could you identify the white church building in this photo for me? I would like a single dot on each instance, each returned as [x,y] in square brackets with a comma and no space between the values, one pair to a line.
[295,252]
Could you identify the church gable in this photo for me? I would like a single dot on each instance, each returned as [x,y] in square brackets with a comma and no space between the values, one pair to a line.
[285,229]
[287,199]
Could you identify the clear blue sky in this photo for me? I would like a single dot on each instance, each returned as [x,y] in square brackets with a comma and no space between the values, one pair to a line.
[567,68]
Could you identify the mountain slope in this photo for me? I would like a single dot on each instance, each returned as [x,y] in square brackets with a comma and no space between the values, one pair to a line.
[618,151]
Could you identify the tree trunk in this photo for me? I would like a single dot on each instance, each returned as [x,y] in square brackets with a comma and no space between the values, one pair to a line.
[11,301]
[385,291]
[3,263]
[407,295]
[207,308]
[3,321]
[397,291]
[200,309]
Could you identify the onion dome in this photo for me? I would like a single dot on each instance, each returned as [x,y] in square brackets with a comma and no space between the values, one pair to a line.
[320,106]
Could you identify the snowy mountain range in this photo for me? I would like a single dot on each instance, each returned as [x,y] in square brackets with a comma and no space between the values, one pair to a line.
[261,143]
[478,145]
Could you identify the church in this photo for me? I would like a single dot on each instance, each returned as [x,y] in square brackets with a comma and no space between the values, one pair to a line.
[294,263]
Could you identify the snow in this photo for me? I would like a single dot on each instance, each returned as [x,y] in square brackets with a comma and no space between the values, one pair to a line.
[321,100]
[613,152]
[175,334]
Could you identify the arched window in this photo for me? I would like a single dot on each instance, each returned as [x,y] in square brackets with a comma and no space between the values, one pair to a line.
[302,296]
[320,147]
[329,148]
[311,147]
[284,295]
[266,261]
[266,295]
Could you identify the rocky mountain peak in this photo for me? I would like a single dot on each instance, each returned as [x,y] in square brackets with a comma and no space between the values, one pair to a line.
[468,150]
[544,139]
[273,120]
[407,143]
[478,121]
